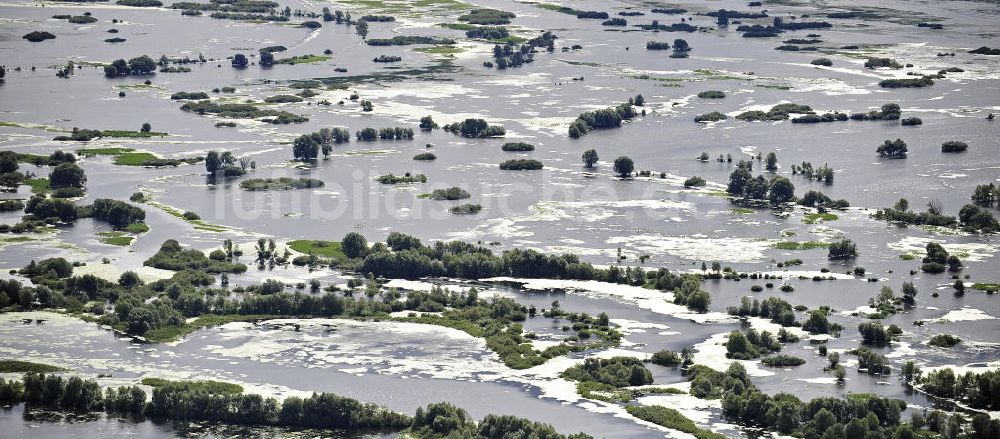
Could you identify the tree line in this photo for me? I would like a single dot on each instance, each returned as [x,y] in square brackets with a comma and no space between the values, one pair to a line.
[606,118]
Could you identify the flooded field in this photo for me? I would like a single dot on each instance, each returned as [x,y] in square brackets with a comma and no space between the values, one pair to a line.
[678,210]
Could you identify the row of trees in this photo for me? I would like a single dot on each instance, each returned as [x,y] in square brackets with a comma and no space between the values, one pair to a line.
[475,128]
[980,390]
[141,65]
[970,217]
[308,146]
[395,133]
[71,394]
[183,401]
[607,118]
[775,308]
[743,184]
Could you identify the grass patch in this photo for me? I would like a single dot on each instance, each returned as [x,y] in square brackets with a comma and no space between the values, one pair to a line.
[440,50]
[304,59]
[115,238]
[90,152]
[661,391]
[458,26]
[279,184]
[907,257]
[137,228]
[717,75]
[988,287]
[39,186]
[670,418]
[329,249]
[513,39]
[126,156]
[18,366]
[131,134]
[197,223]
[792,245]
[367,152]
[134,158]
[603,392]
[742,211]
[16,239]
[212,387]
[813,218]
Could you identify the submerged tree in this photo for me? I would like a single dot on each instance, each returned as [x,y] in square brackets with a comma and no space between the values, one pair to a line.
[624,166]
[590,158]
[240,61]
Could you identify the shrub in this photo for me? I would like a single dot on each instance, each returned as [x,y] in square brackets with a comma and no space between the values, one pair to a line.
[712,94]
[517,147]
[714,116]
[892,149]
[873,63]
[466,209]
[615,371]
[666,358]
[521,165]
[183,95]
[452,193]
[922,81]
[657,45]
[782,360]
[38,36]
[944,340]
[954,146]
[281,99]
[695,182]
[605,118]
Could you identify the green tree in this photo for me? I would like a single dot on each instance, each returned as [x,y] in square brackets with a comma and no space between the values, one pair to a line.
[738,181]
[142,65]
[67,175]
[354,245]
[737,343]
[699,301]
[129,279]
[8,162]
[781,190]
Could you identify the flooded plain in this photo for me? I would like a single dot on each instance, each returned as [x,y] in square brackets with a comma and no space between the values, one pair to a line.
[652,221]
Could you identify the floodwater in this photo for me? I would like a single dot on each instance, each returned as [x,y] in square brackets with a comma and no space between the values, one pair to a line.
[558,209]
